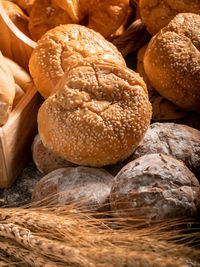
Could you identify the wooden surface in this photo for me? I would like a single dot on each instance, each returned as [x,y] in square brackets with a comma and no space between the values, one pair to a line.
[13,43]
[16,137]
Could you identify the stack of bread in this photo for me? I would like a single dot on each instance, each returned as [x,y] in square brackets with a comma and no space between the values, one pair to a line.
[95,143]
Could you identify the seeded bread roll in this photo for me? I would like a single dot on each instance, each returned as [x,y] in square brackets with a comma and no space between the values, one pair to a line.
[172,61]
[156,14]
[155,187]
[63,46]
[88,187]
[162,109]
[103,16]
[180,141]
[98,115]
[45,160]
[7,91]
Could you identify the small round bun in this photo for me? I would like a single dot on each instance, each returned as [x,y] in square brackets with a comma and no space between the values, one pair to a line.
[45,160]
[162,109]
[180,141]
[172,61]
[156,14]
[7,92]
[88,187]
[98,115]
[103,16]
[63,46]
[155,187]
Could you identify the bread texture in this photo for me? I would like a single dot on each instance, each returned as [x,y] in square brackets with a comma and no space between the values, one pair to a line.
[45,160]
[103,16]
[17,16]
[21,76]
[7,91]
[63,46]
[156,14]
[172,61]
[98,115]
[162,109]
[179,141]
[25,5]
[86,187]
[155,187]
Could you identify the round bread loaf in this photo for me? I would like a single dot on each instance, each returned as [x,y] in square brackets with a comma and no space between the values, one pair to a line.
[45,160]
[103,16]
[88,187]
[180,141]
[155,187]
[98,115]
[162,109]
[16,15]
[63,46]
[156,14]
[7,90]
[172,61]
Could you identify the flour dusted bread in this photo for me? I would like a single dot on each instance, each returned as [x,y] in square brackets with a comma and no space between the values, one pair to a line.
[103,16]
[172,61]
[45,160]
[156,14]
[63,46]
[180,141]
[155,187]
[88,187]
[7,91]
[98,115]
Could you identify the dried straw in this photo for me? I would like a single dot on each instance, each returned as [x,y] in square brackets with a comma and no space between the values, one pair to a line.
[63,236]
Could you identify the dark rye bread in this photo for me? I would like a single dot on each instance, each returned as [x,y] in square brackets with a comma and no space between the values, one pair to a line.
[87,187]
[155,187]
[180,141]
[45,160]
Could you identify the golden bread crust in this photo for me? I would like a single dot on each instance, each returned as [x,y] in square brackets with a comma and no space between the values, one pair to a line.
[156,14]
[63,46]
[103,16]
[172,61]
[98,115]
[25,4]
[7,91]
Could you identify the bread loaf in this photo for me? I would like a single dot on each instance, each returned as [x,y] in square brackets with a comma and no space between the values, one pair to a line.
[155,187]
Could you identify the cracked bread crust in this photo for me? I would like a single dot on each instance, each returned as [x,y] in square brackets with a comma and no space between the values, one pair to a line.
[98,115]
[172,61]
[155,187]
[180,141]
[63,46]
[89,187]
[156,14]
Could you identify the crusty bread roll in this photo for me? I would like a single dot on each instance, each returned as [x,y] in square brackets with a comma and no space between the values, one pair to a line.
[7,90]
[62,46]
[97,116]
[155,187]
[45,160]
[25,5]
[103,16]
[172,61]
[21,77]
[179,141]
[16,15]
[162,109]
[156,14]
[86,187]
